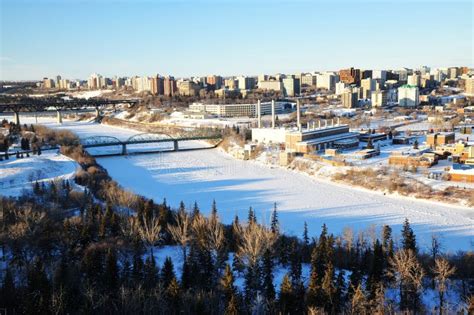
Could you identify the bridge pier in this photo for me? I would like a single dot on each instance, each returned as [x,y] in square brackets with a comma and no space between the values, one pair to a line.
[59,117]
[175,145]
[97,112]
[16,117]
[124,149]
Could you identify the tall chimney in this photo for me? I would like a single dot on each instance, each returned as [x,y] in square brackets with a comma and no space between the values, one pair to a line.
[259,114]
[298,115]
[273,114]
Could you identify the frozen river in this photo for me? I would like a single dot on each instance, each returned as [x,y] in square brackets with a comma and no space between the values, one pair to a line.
[236,185]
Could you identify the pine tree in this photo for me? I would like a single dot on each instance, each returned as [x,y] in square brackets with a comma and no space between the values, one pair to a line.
[227,285]
[339,296]
[269,289]
[306,250]
[214,210]
[295,264]
[186,276]
[173,295]
[286,298]
[251,216]
[376,271]
[167,272]
[275,226]
[151,273]
[329,289]
[408,237]
[196,211]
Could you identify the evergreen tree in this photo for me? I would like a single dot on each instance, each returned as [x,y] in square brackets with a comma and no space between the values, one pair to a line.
[295,264]
[408,237]
[275,226]
[173,295]
[251,216]
[286,298]
[196,211]
[376,271]
[150,273]
[269,289]
[339,296]
[186,276]
[306,250]
[329,289]
[214,210]
[167,272]
[227,285]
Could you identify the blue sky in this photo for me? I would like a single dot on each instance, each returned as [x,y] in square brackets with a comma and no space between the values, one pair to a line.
[185,38]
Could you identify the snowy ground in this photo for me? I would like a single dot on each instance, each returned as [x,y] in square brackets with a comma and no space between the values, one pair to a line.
[236,185]
[16,175]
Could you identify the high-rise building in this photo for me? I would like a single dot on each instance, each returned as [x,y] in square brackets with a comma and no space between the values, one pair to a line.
[291,86]
[378,98]
[143,84]
[246,83]
[48,83]
[350,76]
[271,85]
[379,75]
[169,86]
[349,98]
[453,72]
[402,74]
[231,84]
[156,85]
[414,79]
[308,80]
[367,86]
[408,96]
[469,86]
[187,88]
[326,81]
[214,82]
[340,87]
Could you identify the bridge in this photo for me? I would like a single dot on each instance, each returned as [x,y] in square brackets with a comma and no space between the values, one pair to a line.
[149,138]
[28,104]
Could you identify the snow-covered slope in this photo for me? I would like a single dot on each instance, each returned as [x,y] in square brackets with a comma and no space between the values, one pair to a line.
[17,175]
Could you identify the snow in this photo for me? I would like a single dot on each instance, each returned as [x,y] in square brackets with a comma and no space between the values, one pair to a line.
[17,175]
[236,185]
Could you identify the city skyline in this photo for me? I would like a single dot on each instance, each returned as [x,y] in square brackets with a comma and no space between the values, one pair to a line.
[184,39]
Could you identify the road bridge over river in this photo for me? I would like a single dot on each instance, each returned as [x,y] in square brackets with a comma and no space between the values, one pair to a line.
[151,138]
[29,104]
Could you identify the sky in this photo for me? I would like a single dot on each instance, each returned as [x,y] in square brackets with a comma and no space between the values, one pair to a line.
[75,38]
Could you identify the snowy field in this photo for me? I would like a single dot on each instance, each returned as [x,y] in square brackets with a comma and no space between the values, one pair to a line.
[16,175]
[236,185]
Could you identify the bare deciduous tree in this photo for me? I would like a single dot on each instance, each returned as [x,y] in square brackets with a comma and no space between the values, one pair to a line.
[255,240]
[150,231]
[181,231]
[442,271]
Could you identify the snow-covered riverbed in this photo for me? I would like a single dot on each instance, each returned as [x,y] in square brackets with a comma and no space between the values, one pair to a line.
[236,185]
